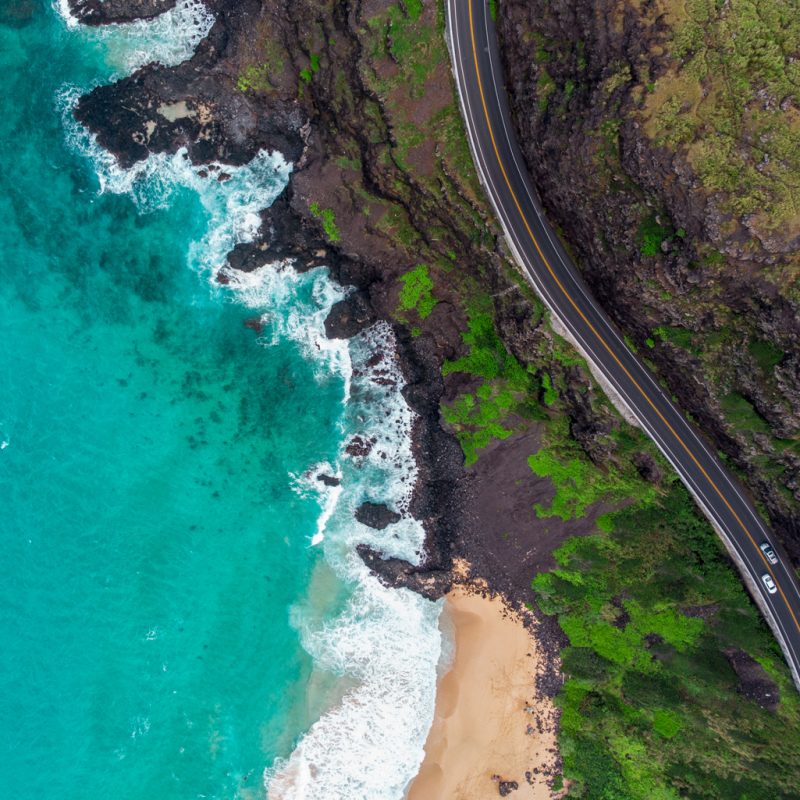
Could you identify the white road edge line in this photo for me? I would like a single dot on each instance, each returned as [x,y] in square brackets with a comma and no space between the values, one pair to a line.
[733,547]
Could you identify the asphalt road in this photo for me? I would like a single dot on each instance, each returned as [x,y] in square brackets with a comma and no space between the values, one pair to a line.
[479,78]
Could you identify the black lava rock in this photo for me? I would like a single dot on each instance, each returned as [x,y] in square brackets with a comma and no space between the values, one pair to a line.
[376,515]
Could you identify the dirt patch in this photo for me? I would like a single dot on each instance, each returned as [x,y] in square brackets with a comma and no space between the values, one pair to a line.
[754,683]
[500,534]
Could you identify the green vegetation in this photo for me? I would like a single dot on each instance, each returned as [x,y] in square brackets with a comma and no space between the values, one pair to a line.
[308,73]
[651,707]
[680,337]
[652,234]
[477,418]
[578,482]
[766,355]
[328,219]
[415,48]
[731,99]
[261,75]
[739,411]
[507,389]
[413,9]
[416,291]
[549,394]
[488,357]
[493,9]
[545,86]
[254,77]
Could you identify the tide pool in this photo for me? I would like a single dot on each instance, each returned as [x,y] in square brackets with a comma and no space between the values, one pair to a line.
[168,629]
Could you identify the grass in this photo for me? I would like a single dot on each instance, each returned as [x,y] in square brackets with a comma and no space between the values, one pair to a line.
[415,293]
[765,354]
[507,390]
[650,708]
[578,483]
[255,77]
[328,220]
[545,86]
[680,337]
[741,414]
[413,9]
[261,75]
[731,101]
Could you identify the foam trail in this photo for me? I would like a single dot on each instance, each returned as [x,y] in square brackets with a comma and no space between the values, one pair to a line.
[388,641]
[170,38]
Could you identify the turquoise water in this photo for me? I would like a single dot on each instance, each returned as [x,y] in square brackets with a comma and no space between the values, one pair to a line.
[151,538]
[182,608]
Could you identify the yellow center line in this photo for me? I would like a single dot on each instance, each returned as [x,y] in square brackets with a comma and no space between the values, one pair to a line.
[597,334]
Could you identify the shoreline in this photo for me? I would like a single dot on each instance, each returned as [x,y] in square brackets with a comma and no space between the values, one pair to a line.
[475,515]
[492,729]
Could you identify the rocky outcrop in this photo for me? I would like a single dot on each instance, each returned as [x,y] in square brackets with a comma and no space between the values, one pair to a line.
[394,572]
[194,105]
[754,683]
[104,12]
[370,216]
[376,515]
[349,316]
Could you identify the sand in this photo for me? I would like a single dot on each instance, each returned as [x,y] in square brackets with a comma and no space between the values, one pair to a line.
[489,725]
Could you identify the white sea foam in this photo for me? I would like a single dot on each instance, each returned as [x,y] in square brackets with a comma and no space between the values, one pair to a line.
[169,38]
[371,744]
[232,205]
[298,304]
[385,643]
[310,484]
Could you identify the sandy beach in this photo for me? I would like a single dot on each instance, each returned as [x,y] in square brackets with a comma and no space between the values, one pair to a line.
[490,728]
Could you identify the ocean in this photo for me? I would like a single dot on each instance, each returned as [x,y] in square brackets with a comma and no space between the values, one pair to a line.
[183,613]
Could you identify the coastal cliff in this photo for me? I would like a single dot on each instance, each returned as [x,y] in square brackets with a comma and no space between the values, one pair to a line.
[526,471]
[383,192]
[659,137]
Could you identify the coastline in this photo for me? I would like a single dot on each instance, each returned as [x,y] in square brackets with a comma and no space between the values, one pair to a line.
[475,514]
[492,728]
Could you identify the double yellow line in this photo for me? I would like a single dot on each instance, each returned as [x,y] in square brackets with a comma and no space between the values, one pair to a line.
[597,334]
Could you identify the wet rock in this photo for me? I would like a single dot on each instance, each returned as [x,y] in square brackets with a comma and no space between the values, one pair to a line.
[202,109]
[255,324]
[396,573]
[328,480]
[349,316]
[105,12]
[360,446]
[376,515]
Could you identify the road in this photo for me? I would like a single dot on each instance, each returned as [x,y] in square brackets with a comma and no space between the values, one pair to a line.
[479,78]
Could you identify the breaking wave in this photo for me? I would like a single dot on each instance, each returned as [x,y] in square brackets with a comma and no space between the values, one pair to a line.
[384,644]
[169,38]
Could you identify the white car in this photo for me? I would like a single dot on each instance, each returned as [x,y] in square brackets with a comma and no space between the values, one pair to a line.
[769,583]
[766,549]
